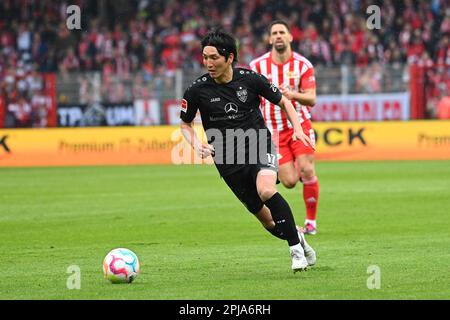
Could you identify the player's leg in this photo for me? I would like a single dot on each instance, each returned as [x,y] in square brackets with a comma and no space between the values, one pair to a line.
[282,216]
[243,184]
[287,172]
[304,158]
[265,217]
[310,191]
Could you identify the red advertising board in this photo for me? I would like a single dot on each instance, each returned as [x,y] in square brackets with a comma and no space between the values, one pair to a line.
[362,107]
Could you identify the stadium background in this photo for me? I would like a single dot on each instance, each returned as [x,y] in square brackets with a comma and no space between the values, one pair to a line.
[109,94]
[133,59]
[129,62]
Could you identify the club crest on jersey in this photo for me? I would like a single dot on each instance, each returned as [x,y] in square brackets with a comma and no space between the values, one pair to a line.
[242,94]
[184,105]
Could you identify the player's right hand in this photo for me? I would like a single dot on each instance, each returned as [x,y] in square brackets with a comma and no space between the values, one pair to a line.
[205,150]
[286,91]
[300,135]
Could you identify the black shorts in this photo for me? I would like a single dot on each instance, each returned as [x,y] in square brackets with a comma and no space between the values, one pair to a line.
[243,185]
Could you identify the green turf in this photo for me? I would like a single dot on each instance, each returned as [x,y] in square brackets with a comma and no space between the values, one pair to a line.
[196,241]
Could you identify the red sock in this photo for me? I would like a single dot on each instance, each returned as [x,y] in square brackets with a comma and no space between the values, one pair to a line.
[311,196]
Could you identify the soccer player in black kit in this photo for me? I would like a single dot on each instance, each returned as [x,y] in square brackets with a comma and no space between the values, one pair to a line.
[228,101]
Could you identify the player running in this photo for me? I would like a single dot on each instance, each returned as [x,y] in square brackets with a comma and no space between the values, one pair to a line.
[228,101]
[294,75]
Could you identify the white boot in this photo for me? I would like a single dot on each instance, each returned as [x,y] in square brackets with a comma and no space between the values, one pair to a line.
[299,262]
[310,254]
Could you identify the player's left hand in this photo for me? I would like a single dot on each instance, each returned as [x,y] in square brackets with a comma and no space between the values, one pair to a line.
[204,150]
[300,135]
[286,91]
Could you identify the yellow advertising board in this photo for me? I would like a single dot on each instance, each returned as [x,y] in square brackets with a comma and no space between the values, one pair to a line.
[409,140]
[346,141]
[91,146]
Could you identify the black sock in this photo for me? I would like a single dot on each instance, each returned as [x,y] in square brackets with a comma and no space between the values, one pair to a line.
[284,220]
[276,232]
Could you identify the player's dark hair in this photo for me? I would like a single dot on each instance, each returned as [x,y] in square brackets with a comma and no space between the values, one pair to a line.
[284,23]
[224,42]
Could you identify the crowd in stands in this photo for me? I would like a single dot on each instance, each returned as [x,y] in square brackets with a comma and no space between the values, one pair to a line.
[157,37]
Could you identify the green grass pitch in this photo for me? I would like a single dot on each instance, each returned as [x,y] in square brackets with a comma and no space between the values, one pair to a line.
[195,240]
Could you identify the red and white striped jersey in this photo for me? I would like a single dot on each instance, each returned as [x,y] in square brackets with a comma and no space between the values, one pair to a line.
[297,73]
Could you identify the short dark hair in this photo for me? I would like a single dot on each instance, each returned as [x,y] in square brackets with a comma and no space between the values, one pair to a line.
[224,42]
[284,23]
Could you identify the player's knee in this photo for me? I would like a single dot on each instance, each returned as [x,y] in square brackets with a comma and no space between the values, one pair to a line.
[289,183]
[308,171]
[265,193]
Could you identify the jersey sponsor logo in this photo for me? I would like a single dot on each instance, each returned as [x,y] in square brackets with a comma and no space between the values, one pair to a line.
[227,117]
[292,75]
[215,99]
[242,94]
[231,107]
[184,105]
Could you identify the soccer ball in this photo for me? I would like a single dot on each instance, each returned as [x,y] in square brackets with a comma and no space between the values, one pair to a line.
[121,266]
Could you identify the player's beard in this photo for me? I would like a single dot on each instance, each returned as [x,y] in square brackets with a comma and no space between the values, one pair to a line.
[280,48]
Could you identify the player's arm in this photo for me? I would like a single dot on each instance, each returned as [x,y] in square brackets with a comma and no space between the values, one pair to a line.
[286,105]
[306,93]
[271,93]
[189,108]
[203,150]
[306,98]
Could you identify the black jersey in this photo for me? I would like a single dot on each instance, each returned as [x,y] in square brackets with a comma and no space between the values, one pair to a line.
[231,117]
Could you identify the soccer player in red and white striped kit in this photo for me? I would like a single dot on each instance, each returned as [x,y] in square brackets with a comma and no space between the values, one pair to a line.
[294,75]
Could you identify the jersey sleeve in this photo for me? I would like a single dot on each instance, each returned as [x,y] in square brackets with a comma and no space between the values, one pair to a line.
[254,67]
[265,89]
[308,80]
[189,106]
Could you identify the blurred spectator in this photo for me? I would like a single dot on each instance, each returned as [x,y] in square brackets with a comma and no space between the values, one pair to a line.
[21,112]
[70,62]
[40,106]
[330,33]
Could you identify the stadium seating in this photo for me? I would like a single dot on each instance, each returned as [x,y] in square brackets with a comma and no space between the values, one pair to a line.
[156,38]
